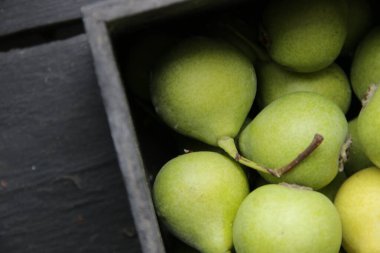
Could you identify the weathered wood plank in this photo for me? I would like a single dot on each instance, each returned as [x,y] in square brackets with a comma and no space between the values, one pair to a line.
[18,15]
[60,185]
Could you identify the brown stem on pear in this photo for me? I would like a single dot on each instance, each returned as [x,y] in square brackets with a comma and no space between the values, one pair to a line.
[368,95]
[317,140]
[344,152]
[228,145]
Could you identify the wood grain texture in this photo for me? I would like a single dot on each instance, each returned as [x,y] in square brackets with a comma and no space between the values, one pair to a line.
[60,184]
[18,15]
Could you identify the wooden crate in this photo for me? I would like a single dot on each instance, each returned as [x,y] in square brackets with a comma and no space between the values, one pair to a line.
[143,145]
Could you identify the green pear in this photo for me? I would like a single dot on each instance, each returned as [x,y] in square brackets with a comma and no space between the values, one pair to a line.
[275,81]
[197,195]
[365,68]
[287,219]
[357,159]
[359,22]
[369,127]
[204,89]
[304,35]
[283,129]
[358,204]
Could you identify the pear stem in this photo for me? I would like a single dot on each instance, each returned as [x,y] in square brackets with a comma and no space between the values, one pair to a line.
[228,145]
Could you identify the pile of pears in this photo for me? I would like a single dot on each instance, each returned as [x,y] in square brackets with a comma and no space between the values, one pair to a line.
[281,117]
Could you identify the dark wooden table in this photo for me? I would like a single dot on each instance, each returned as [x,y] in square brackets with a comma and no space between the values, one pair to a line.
[60,184]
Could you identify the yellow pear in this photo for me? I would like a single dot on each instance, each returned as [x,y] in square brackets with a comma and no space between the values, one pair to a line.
[358,203]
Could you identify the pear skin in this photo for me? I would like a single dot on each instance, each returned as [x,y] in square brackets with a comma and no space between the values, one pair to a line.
[287,219]
[197,195]
[285,127]
[369,127]
[357,159]
[358,204]
[365,68]
[275,81]
[204,89]
[304,35]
